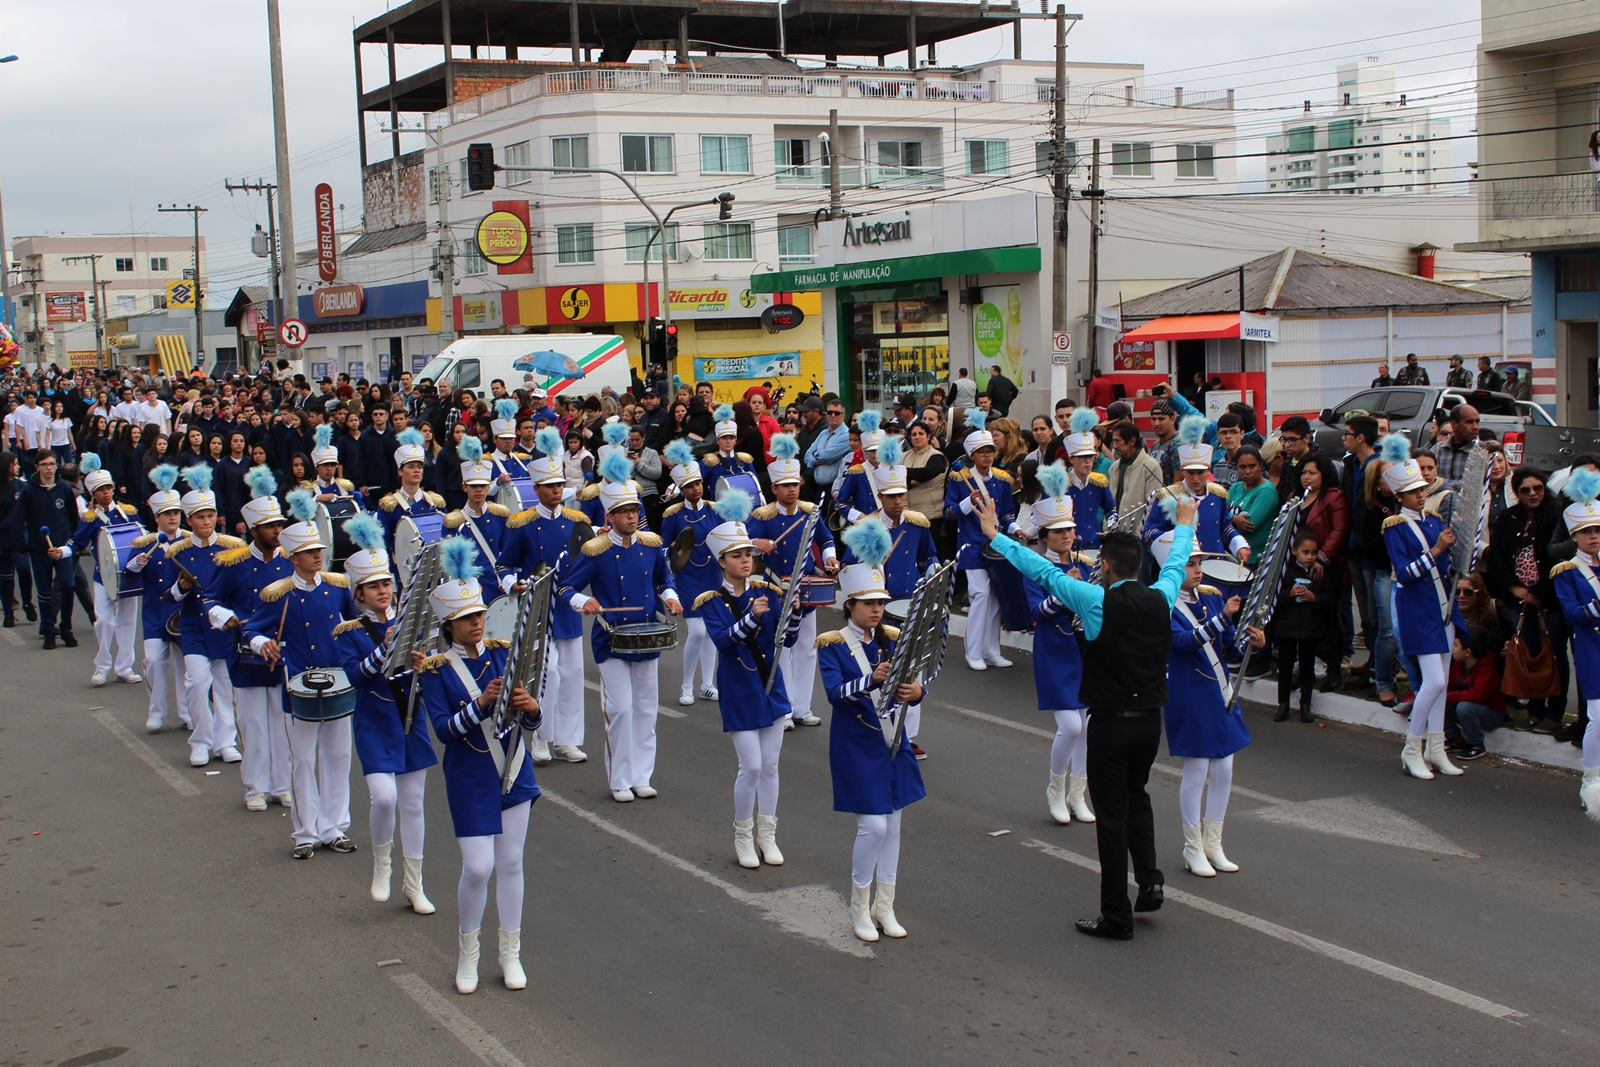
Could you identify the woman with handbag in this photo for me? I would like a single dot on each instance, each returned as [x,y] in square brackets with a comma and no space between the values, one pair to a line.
[1517,565]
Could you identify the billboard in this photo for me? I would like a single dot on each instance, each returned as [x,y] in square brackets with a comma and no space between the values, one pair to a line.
[65,307]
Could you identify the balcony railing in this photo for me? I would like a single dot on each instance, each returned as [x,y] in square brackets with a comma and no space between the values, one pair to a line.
[816,177]
[1547,197]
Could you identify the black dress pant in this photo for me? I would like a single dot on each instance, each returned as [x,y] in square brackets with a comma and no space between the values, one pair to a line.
[1122,746]
[1292,651]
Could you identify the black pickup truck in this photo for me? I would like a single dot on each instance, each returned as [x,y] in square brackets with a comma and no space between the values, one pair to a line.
[1530,436]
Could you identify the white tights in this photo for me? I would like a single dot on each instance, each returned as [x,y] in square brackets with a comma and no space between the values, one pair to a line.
[1071,744]
[402,791]
[500,855]
[699,649]
[1197,774]
[1427,707]
[755,788]
[877,849]
[1591,737]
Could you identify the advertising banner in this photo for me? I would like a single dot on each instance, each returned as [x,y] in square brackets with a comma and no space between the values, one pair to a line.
[770,365]
[1133,355]
[502,237]
[327,239]
[997,331]
[66,307]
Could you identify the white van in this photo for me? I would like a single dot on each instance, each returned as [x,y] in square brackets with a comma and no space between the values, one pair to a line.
[576,363]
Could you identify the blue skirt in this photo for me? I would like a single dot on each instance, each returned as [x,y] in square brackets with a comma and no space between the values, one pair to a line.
[1202,730]
[866,781]
[380,745]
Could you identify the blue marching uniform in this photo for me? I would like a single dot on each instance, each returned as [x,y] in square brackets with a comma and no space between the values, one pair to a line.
[488,532]
[236,584]
[911,553]
[741,681]
[1578,590]
[1057,659]
[159,575]
[306,619]
[1198,724]
[958,501]
[716,466]
[768,522]
[1421,597]
[1214,532]
[471,777]
[619,577]
[866,781]
[396,506]
[92,521]
[382,744]
[341,487]
[702,573]
[1093,503]
[200,638]
[534,537]
[514,464]
[855,494]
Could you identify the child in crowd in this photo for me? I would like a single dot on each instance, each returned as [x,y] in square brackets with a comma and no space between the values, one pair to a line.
[1300,622]
[1474,703]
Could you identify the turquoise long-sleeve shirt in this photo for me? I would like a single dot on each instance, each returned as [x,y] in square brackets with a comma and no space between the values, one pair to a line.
[1088,599]
[1185,409]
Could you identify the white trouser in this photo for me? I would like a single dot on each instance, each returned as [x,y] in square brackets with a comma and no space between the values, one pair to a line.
[799,665]
[1070,748]
[913,721]
[628,701]
[1427,707]
[1215,777]
[159,654]
[561,695]
[321,755]
[265,740]
[983,617]
[699,648]
[1591,737]
[114,620]
[402,793]
[755,787]
[877,851]
[210,703]
[500,855]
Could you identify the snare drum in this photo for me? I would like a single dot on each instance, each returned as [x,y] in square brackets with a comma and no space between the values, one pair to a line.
[321,695]
[896,611]
[644,637]
[330,527]
[248,657]
[114,548]
[411,535]
[500,621]
[817,591]
[1228,576]
[747,482]
[517,495]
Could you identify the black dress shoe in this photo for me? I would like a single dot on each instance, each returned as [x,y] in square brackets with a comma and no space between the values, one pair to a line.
[1283,713]
[1332,683]
[30,611]
[1305,712]
[50,644]
[68,640]
[1150,898]
[11,620]
[1098,927]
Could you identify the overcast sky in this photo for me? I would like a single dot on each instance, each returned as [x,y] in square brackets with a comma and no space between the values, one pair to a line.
[116,107]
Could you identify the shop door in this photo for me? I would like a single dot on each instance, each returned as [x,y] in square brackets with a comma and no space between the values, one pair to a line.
[898,346]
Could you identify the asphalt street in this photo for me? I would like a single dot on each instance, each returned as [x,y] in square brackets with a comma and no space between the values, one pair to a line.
[152,920]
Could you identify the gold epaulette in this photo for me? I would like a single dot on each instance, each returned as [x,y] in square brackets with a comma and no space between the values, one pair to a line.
[807,506]
[1004,476]
[1563,567]
[276,590]
[433,663]
[233,556]
[230,541]
[347,626]
[832,637]
[891,632]
[500,510]
[961,475]
[648,539]
[671,510]
[1217,490]
[89,516]
[454,519]
[1393,520]
[1096,478]
[574,514]
[1208,590]
[705,598]
[589,492]
[596,545]
[520,519]
[764,512]
[495,642]
[346,484]
[145,539]
[172,548]
[858,468]
[762,583]
[744,457]
[389,503]
[340,580]
[433,498]
[521,455]
[915,518]
[711,461]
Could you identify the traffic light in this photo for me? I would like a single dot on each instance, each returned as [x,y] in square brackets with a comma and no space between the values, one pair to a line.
[480,166]
[724,206]
[670,348]
[655,342]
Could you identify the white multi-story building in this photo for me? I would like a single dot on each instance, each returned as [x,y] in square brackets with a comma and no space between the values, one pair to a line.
[1372,142]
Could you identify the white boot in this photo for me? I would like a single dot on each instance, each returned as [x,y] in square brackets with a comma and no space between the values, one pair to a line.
[767,839]
[1439,757]
[744,845]
[883,912]
[1055,795]
[1194,853]
[412,887]
[467,962]
[1589,792]
[1211,836]
[1075,802]
[540,751]
[381,870]
[511,961]
[861,912]
[1411,759]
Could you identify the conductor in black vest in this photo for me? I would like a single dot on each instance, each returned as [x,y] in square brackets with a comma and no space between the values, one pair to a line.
[1127,627]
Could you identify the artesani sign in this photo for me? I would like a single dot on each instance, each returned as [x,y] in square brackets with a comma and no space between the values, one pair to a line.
[876,233]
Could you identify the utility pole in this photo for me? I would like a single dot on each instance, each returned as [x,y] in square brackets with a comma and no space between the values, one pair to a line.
[259,186]
[33,302]
[99,310]
[1094,195]
[1059,321]
[280,136]
[199,292]
[835,194]
[447,258]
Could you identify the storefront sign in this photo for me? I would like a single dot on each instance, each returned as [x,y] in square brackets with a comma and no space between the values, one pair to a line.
[123,340]
[575,303]
[481,313]
[1108,318]
[772,365]
[876,233]
[1133,355]
[1258,327]
[180,294]
[1010,260]
[327,239]
[334,301]
[64,307]
[781,317]
[502,238]
[997,331]
[717,302]
[84,360]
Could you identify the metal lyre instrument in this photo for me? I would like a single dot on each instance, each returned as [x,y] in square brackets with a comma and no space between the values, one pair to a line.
[791,593]
[415,629]
[920,650]
[1262,599]
[1127,522]
[1466,514]
[525,661]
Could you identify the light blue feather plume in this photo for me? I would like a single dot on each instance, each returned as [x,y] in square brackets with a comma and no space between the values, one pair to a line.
[680,454]
[1169,505]
[1395,448]
[724,413]
[548,441]
[198,477]
[470,449]
[869,421]
[365,531]
[615,433]
[1053,479]
[784,446]
[412,437]
[164,477]
[505,408]
[1583,486]
[616,467]
[1083,420]
[977,419]
[261,480]
[89,462]
[892,452]
[302,505]
[1192,430]
[733,505]
[458,558]
[868,540]
[324,435]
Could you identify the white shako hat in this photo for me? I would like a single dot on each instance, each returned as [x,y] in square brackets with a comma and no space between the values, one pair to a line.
[1193,452]
[889,476]
[546,470]
[619,489]
[1582,488]
[868,423]
[868,541]
[1080,439]
[785,466]
[504,424]
[165,498]
[94,474]
[324,452]
[262,507]
[459,594]
[475,470]
[1403,472]
[1161,548]
[733,507]
[979,437]
[369,562]
[411,447]
[1053,509]
[302,534]
[199,497]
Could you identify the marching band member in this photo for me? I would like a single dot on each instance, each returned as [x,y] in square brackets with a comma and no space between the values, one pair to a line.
[742,618]
[161,648]
[293,628]
[867,781]
[1057,662]
[725,461]
[325,457]
[231,597]
[113,621]
[700,574]
[480,521]
[625,569]
[614,434]
[1422,604]
[460,689]
[775,529]
[205,650]
[509,464]
[856,496]
[964,489]
[394,760]
[540,537]
[1093,502]
[1202,730]
[1579,592]
[410,498]
[1215,534]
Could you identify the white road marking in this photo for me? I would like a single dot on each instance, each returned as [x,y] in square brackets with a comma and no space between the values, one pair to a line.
[1309,943]
[1363,819]
[814,912]
[164,770]
[13,638]
[671,713]
[478,1041]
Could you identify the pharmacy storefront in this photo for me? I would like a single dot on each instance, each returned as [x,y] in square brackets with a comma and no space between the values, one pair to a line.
[910,294]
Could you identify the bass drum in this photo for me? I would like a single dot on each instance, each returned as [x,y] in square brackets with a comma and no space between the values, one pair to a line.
[114,548]
[1231,578]
[412,534]
[500,621]
[330,519]
[517,495]
[896,611]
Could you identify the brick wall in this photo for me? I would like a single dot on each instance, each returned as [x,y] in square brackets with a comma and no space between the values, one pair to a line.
[379,186]
[469,87]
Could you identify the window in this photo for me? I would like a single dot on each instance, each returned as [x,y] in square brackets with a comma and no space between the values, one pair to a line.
[987,157]
[438,186]
[569,151]
[1131,159]
[1403,404]
[728,240]
[158,301]
[794,244]
[467,375]
[124,264]
[719,154]
[1302,139]
[1196,161]
[794,152]
[476,264]
[899,153]
[1342,134]
[647,153]
[158,264]
[1579,274]
[518,155]
[639,234]
[1044,153]
[575,243]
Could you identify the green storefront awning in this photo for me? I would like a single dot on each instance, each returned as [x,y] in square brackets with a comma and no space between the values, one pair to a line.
[1015,260]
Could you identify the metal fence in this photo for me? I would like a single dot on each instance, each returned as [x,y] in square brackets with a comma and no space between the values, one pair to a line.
[1550,196]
